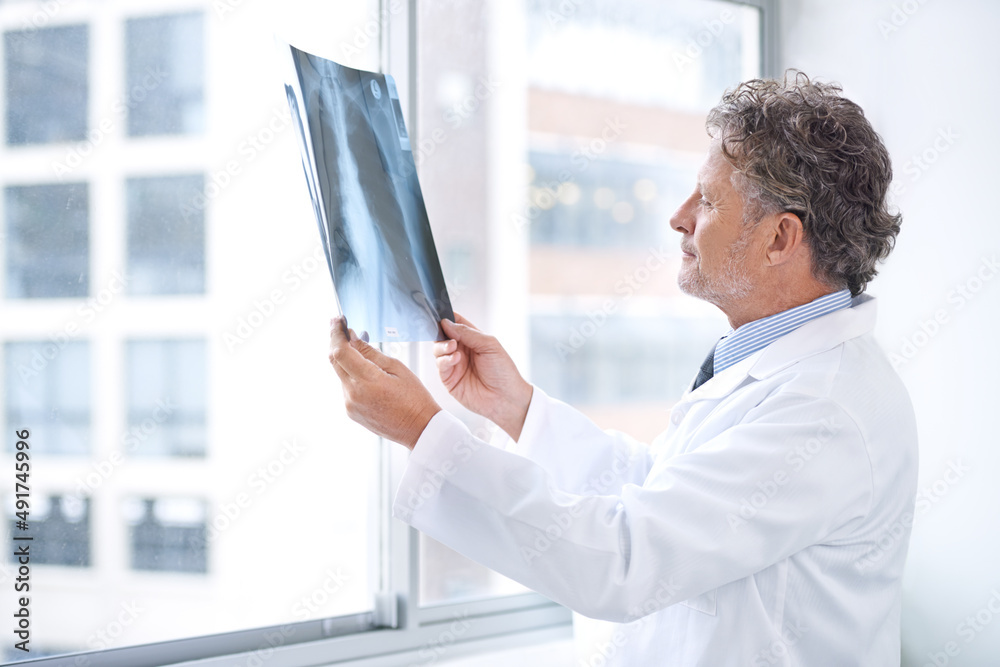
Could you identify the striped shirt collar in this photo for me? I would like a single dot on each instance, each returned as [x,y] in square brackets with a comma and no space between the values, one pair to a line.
[741,343]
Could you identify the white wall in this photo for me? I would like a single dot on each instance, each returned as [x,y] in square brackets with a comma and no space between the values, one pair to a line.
[922,70]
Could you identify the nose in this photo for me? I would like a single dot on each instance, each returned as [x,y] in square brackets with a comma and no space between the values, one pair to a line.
[683,218]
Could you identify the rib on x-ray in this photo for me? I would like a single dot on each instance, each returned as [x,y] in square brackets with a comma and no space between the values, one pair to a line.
[366,198]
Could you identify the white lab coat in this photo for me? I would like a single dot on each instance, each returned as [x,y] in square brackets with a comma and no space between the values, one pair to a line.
[768,525]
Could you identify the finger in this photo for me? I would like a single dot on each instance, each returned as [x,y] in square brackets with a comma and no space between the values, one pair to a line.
[345,377]
[448,361]
[338,328]
[462,320]
[372,355]
[467,335]
[445,347]
[344,356]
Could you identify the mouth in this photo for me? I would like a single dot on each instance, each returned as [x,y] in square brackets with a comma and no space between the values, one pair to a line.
[687,253]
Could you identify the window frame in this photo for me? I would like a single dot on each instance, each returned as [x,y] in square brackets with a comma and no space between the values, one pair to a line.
[398,628]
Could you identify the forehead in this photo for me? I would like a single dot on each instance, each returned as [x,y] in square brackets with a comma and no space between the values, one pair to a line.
[715,173]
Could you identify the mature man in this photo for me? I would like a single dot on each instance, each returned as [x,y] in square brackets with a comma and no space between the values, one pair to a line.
[768,525]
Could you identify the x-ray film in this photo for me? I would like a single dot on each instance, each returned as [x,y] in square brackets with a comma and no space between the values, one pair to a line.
[366,198]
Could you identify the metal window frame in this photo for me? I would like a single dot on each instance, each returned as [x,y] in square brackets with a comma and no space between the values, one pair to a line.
[398,629]
[770,52]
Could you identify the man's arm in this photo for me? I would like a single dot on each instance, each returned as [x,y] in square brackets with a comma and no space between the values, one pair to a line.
[578,455]
[610,556]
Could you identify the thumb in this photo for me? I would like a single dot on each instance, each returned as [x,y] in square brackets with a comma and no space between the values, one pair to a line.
[370,353]
[467,335]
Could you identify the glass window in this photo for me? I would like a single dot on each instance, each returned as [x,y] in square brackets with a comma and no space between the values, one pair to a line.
[216,415]
[211,421]
[47,386]
[60,530]
[46,84]
[581,358]
[165,75]
[166,235]
[167,534]
[166,393]
[576,209]
[47,245]
[569,154]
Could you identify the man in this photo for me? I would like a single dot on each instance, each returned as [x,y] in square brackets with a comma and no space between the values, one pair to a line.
[768,525]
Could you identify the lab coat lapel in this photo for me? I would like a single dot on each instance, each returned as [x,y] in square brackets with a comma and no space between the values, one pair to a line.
[817,336]
[814,337]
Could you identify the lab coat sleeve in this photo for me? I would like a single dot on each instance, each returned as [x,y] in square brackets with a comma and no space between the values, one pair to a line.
[577,455]
[682,533]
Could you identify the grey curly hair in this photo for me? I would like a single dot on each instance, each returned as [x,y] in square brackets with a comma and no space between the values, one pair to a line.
[797,145]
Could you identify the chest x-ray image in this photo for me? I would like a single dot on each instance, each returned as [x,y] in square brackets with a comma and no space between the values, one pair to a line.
[367,201]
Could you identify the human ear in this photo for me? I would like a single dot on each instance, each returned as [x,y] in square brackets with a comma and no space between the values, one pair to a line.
[786,237]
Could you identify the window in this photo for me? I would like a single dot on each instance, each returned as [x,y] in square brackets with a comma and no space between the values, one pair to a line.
[47,88]
[47,385]
[47,249]
[576,211]
[166,235]
[165,306]
[60,527]
[166,72]
[582,358]
[166,398]
[168,534]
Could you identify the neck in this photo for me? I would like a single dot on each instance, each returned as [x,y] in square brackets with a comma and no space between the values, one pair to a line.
[766,301]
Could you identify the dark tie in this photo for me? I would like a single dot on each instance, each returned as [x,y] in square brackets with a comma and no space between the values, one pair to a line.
[707,369]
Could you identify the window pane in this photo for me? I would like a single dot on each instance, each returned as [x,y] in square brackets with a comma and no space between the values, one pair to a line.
[166,398]
[203,435]
[166,235]
[168,534]
[47,387]
[570,153]
[60,530]
[47,248]
[165,75]
[46,84]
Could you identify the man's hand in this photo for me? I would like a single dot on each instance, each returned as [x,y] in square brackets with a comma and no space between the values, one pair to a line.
[380,392]
[478,372]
